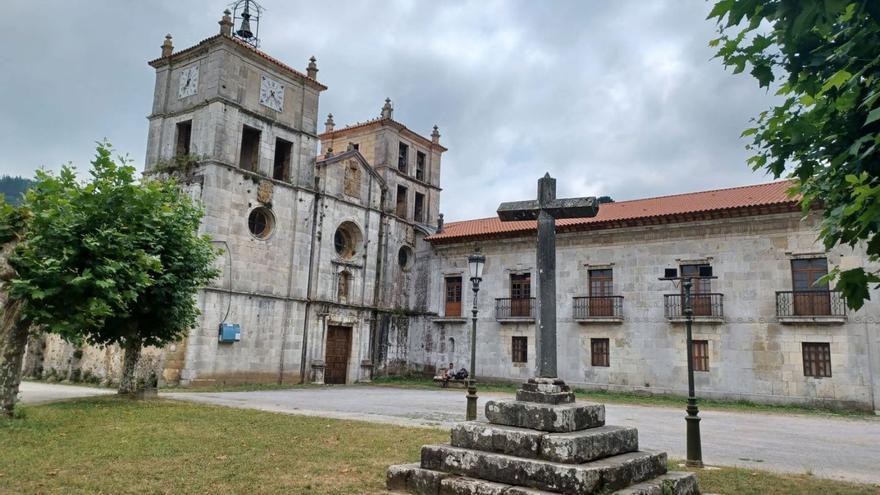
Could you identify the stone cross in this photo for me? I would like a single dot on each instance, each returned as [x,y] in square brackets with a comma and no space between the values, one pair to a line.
[546,209]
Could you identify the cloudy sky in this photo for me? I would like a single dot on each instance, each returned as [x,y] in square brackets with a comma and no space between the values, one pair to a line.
[618,98]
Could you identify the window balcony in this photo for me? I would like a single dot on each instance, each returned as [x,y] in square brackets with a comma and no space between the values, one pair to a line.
[515,310]
[708,307]
[811,306]
[598,309]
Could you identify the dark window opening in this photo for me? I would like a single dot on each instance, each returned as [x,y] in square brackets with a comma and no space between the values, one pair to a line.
[519,349]
[261,222]
[355,146]
[281,167]
[402,157]
[599,352]
[405,257]
[817,359]
[400,208]
[419,208]
[420,165]
[701,355]
[700,298]
[520,294]
[453,296]
[184,136]
[250,149]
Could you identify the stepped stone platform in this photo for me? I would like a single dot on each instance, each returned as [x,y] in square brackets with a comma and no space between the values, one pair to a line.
[543,442]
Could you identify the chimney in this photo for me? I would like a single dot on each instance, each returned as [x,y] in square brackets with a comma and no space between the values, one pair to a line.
[226,23]
[440,223]
[167,47]
[329,124]
[387,110]
[435,136]
[312,69]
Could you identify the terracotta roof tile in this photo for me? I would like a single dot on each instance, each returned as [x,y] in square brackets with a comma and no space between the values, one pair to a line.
[745,200]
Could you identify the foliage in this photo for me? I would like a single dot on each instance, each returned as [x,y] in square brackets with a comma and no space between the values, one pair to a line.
[13,221]
[13,188]
[112,260]
[824,55]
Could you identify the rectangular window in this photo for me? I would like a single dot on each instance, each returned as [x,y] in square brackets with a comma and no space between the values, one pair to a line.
[702,301]
[453,296]
[402,157]
[281,167]
[400,207]
[250,149]
[701,355]
[419,208]
[817,359]
[520,294]
[184,136]
[599,352]
[356,146]
[601,287]
[811,298]
[520,349]
[420,165]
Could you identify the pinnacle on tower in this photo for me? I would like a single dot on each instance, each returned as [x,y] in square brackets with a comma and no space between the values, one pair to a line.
[435,136]
[167,47]
[387,109]
[312,69]
[329,124]
[226,23]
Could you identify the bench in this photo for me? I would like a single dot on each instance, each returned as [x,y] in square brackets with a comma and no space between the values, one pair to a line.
[439,380]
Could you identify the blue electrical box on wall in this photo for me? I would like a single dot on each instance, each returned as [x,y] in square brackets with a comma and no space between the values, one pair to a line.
[229,332]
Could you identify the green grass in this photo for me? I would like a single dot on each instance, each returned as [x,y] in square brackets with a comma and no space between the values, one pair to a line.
[613,397]
[112,445]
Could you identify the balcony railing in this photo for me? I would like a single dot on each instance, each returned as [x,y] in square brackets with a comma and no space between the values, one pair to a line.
[706,305]
[811,303]
[511,309]
[598,307]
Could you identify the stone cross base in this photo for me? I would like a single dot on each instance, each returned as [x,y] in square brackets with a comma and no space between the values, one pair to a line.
[541,443]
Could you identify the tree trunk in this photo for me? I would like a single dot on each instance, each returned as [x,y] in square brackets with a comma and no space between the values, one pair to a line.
[128,382]
[13,339]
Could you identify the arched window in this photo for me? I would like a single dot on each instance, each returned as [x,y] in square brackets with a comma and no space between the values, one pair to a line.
[343,286]
[353,179]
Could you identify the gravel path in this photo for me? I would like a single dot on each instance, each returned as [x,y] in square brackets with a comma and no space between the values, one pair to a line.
[38,392]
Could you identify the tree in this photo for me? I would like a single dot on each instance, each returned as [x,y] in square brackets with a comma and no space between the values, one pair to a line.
[824,56]
[13,188]
[112,260]
[13,328]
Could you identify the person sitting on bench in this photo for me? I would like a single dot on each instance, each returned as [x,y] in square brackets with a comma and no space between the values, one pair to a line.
[448,374]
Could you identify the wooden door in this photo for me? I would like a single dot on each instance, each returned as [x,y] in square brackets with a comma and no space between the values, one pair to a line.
[338,351]
[601,283]
[520,294]
[811,298]
[702,301]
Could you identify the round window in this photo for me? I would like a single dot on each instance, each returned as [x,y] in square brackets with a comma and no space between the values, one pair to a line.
[405,257]
[346,239]
[261,222]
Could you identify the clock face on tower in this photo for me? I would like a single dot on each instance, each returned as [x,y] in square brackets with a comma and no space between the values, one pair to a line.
[271,93]
[189,82]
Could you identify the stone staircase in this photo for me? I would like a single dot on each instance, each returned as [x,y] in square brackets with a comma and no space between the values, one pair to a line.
[541,443]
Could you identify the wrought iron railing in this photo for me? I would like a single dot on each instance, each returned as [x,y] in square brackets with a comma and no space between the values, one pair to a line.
[508,308]
[589,307]
[704,305]
[810,303]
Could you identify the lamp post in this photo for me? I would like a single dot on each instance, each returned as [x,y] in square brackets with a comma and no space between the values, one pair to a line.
[694,445]
[475,266]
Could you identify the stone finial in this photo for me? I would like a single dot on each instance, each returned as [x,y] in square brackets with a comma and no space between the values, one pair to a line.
[350,146]
[312,69]
[435,136]
[329,152]
[329,124]
[226,23]
[439,223]
[387,109]
[167,47]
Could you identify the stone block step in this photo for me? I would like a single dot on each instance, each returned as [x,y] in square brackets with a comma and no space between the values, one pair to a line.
[574,447]
[410,478]
[545,417]
[671,483]
[607,474]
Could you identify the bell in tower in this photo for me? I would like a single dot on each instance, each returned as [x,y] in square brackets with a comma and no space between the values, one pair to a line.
[248,13]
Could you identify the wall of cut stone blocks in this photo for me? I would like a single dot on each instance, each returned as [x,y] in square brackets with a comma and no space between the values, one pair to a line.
[752,355]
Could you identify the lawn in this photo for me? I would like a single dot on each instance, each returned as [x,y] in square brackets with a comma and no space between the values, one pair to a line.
[612,397]
[115,446]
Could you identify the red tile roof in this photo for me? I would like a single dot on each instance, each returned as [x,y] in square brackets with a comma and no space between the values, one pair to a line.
[736,201]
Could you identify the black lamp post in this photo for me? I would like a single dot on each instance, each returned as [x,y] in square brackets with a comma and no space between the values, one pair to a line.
[475,266]
[694,445]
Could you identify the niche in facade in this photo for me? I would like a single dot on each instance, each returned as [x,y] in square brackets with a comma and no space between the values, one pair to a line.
[261,222]
[352,184]
[405,257]
[346,240]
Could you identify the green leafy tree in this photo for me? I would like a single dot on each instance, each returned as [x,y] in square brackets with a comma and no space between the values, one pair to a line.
[824,57]
[112,260]
[13,327]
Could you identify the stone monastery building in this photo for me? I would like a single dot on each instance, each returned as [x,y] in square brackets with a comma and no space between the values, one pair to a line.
[337,266]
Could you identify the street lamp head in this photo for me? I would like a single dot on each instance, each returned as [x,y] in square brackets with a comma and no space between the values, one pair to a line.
[475,264]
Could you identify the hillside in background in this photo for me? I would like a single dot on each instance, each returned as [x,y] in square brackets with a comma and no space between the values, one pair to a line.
[13,187]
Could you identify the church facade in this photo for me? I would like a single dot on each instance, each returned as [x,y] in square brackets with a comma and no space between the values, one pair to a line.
[337,267]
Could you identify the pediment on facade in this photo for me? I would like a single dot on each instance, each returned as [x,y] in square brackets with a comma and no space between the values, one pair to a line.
[345,158]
